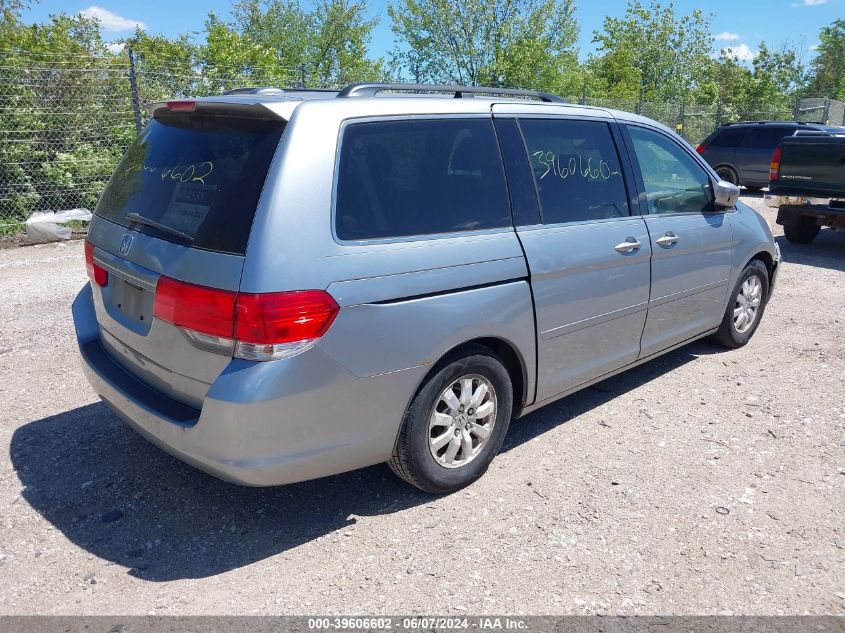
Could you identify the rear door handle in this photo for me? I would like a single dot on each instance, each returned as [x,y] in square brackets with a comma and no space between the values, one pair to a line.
[630,245]
[667,240]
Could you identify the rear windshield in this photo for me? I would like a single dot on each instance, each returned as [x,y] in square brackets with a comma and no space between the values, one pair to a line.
[198,177]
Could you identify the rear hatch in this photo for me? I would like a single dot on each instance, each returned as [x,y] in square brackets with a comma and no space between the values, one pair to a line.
[813,165]
[179,208]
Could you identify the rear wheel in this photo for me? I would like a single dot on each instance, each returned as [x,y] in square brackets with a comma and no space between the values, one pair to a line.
[455,424]
[727,174]
[745,309]
[802,231]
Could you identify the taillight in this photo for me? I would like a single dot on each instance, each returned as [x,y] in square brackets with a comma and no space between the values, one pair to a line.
[181,106]
[96,273]
[701,148]
[774,167]
[265,326]
[204,310]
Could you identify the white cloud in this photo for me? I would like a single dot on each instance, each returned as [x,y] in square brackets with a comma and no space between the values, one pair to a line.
[111,21]
[115,47]
[808,3]
[741,51]
[726,36]
[814,47]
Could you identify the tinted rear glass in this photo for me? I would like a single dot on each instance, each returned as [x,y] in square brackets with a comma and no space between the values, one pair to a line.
[576,168]
[198,175]
[728,137]
[768,137]
[401,178]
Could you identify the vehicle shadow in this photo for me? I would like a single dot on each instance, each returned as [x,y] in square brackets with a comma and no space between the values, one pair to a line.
[826,251]
[118,497]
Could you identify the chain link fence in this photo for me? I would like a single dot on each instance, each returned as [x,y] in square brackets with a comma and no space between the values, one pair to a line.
[65,120]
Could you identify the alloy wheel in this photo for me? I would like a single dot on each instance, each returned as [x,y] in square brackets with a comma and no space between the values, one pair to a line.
[462,420]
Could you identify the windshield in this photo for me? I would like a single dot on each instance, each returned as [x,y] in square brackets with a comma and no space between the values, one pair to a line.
[193,179]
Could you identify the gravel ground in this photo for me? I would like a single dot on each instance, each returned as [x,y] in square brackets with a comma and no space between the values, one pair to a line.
[703,482]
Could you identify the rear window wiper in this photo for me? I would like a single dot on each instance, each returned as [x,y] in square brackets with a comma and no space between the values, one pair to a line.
[140,219]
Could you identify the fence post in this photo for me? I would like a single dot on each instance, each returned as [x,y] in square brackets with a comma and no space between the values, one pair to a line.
[718,112]
[133,86]
[679,126]
[583,100]
[639,108]
[302,76]
[826,116]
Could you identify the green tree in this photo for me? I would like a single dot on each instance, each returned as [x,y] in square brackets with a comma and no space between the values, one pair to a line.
[325,46]
[651,45]
[765,88]
[65,115]
[828,67]
[229,57]
[165,67]
[522,43]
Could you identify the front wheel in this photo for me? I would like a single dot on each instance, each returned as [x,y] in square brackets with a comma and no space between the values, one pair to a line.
[455,424]
[745,309]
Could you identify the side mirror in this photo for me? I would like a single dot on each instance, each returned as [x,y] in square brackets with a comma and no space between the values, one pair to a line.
[726,194]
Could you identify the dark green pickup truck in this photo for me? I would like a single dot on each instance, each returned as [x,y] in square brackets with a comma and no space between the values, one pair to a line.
[807,184]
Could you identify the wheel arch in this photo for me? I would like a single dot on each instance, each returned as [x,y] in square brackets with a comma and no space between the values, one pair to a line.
[728,166]
[768,261]
[506,351]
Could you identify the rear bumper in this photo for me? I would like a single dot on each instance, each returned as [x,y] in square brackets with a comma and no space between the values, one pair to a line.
[260,424]
[776,201]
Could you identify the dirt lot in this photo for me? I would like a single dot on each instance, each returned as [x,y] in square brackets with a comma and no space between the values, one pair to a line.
[704,482]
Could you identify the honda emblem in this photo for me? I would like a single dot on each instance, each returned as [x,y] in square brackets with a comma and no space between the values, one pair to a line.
[125,244]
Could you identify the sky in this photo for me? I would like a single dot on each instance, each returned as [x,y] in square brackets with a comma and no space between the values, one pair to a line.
[738,24]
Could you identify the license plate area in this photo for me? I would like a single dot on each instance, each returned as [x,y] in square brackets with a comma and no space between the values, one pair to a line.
[131,300]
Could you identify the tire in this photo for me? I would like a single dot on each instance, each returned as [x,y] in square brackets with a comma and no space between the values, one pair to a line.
[733,331]
[414,453]
[727,174]
[802,231]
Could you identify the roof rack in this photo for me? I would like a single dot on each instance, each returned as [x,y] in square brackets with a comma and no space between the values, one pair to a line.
[372,89]
[269,90]
[768,121]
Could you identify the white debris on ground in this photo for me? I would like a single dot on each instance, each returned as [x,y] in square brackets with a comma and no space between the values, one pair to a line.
[48,226]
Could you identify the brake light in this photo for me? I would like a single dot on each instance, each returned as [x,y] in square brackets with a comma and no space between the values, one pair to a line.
[96,273]
[182,106]
[701,148]
[774,167]
[265,326]
[204,310]
[284,317]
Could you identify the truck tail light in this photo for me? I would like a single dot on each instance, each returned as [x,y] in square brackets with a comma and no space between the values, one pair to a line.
[701,148]
[96,273]
[774,168]
[266,326]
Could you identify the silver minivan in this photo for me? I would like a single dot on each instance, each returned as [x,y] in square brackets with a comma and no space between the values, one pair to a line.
[292,284]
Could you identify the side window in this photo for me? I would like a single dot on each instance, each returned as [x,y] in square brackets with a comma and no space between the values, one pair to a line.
[520,180]
[769,136]
[728,137]
[673,181]
[418,177]
[576,169]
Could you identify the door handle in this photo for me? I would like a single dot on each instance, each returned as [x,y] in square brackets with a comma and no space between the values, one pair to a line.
[667,240]
[630,245]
